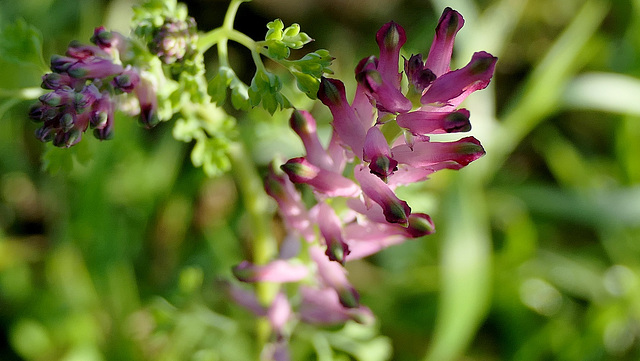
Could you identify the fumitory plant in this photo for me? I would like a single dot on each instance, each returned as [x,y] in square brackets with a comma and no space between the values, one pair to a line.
[337,201]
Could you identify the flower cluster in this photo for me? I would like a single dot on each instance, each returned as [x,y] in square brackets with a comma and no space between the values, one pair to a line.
[85,83]
[380,141]
[175,40]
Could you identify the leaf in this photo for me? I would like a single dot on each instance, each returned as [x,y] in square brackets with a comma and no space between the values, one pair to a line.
[211,155]
[309,69]
[21,43]
[217,88]
[265,89]
[315,64]
[279,41]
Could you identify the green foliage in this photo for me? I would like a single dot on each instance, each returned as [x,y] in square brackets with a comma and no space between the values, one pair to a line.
[265,89]
[309,69]
[212,130]
[537,245]
[21,43]
[225,79]
[279,41]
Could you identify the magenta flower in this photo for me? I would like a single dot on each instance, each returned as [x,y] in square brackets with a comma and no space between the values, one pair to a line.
[356,211]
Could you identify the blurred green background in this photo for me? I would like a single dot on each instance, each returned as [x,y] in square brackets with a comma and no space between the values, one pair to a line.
[537,253]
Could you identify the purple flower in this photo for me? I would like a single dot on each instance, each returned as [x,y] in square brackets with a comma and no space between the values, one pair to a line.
[379,141]
[84,84]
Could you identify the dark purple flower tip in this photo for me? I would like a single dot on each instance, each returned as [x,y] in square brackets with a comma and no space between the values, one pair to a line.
[82,51]
[67,121]
[54,81]
[457,121]
[102,37]
[303,123]
[470,149]
[99,119]
[391,36]
[45,134]
[84,100]
[127,81]
[60,63]
[148,116]
[105,133]
[383,166]
[419,76]
[36,112]
[68,138]
[274,186]
[396,212]
[244,272]
[300,170]
[94,68]
[337,250]
[450,23]
[349,297]
[420,224]
[332,92]
[58,97]
[368,63]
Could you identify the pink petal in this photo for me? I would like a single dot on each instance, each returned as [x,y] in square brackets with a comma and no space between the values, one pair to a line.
[426,122]
[439,155]
[388,98]
[390,38]
[331,184]
[395,210]
[245,298]
[290,205]
[345,121]
[378,154]
[333,275]
[280,271]
[331,230]
[322,307]
[303,123]
[440,53]
[94,68]
[279,313]
[476,75]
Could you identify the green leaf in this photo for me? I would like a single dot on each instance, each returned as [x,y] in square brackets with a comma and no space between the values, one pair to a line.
[316,64]
[307,84]
[21,43]
[275,30]
[265,89]
[218,85]
[239,94]
[211,155]
[309,69]
[280,41]
[277,50]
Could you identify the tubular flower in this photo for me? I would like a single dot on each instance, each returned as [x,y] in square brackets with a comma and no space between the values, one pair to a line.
[379,141]
[85,85]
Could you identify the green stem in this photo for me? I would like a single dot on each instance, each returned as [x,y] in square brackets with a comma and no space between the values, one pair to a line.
[220,37]
[256,202]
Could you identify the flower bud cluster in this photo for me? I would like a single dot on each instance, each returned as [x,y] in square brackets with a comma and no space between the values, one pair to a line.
[380,140]
[175,40]
[85,84]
